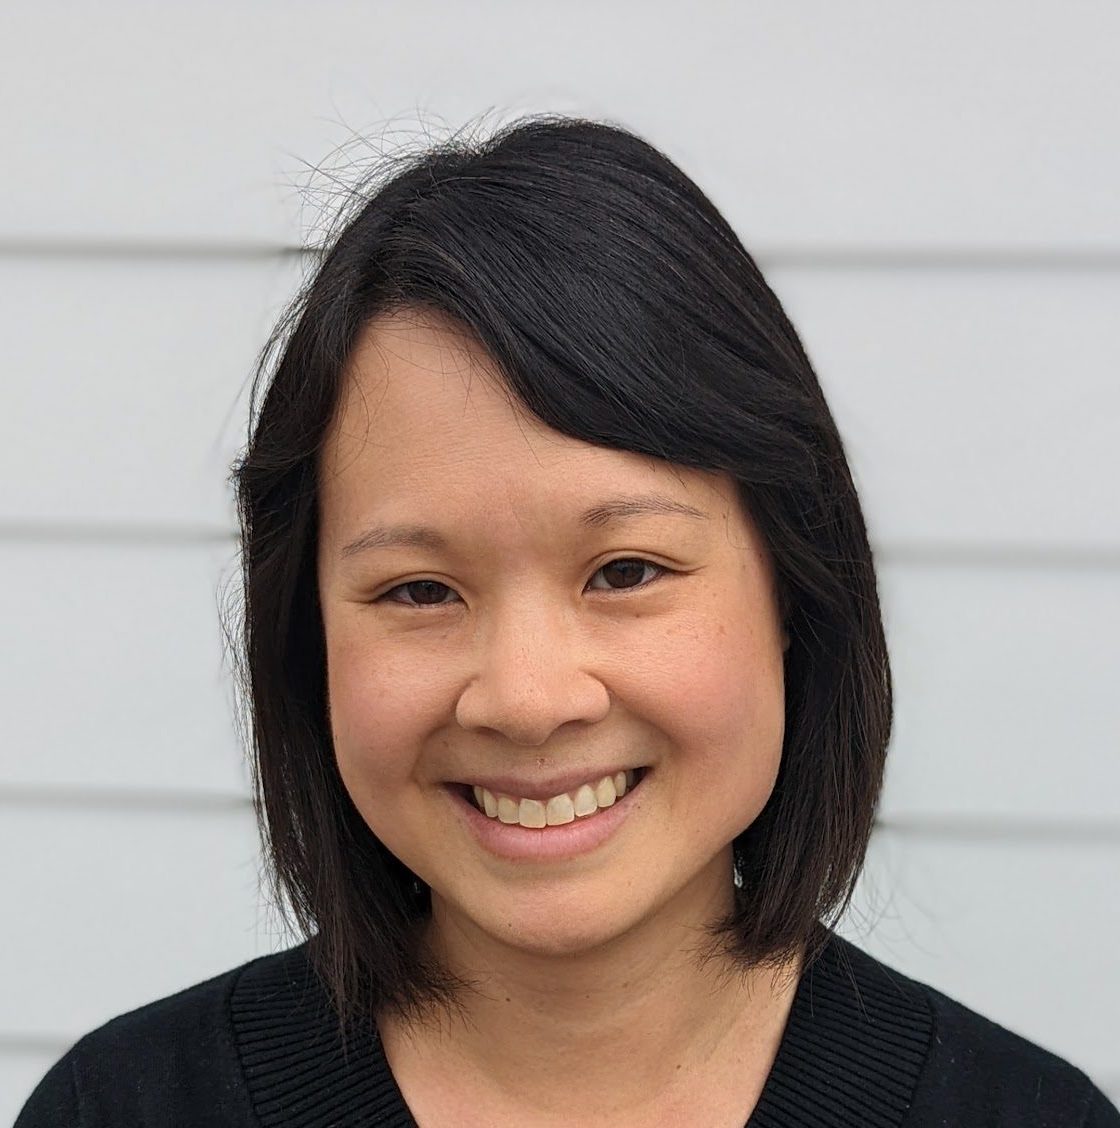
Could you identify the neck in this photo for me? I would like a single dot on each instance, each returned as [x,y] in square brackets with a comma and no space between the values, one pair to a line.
[616,1024]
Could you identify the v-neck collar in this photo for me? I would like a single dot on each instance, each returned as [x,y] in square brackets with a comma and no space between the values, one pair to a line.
[854,1045]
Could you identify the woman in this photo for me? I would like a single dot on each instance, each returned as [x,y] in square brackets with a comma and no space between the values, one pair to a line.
[570,697]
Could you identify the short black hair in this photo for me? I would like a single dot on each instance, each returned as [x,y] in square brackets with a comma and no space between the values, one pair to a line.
[621,309]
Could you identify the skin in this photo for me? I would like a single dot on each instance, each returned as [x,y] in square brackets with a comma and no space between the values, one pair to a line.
[532,658]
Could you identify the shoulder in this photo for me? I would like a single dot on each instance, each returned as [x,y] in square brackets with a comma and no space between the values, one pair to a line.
[979,1073]
[163,1063]
[1005,1077]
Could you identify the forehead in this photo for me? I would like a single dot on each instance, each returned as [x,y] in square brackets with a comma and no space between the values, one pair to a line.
[424,413]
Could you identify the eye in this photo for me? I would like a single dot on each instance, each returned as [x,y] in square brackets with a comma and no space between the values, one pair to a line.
[624,574]
[629,570]
[421,592]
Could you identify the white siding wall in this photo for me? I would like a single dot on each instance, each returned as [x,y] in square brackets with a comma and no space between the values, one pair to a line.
[932,190]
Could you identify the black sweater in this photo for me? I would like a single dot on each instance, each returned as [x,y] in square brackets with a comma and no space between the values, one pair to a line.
[864,1047]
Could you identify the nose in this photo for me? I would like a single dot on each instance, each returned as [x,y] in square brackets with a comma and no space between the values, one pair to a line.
[532,676]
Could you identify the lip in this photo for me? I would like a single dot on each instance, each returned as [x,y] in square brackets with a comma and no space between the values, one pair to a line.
[551,843]
[542,790]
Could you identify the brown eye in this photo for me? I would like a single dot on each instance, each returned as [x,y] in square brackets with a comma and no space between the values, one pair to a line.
[421,593]
[628,573]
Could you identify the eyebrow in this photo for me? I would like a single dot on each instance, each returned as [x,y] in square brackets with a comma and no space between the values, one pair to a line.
[611,511]
[624,507]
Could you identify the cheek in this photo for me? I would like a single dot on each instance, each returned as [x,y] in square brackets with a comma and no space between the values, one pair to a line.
[382,717]
[725,705]
[378,711]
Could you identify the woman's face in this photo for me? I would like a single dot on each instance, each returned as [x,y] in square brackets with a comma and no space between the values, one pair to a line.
[509,608]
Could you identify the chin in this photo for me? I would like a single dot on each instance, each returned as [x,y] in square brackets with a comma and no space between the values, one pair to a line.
[549,927]
[563,942]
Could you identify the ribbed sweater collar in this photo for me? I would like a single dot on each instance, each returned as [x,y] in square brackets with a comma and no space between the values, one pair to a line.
[853,1047]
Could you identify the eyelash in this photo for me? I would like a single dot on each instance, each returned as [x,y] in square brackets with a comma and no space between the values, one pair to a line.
[660,572]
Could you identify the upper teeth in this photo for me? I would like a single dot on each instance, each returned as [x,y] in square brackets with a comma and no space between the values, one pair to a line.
[560,809]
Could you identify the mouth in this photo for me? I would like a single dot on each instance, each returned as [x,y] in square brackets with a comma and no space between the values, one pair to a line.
[581,805]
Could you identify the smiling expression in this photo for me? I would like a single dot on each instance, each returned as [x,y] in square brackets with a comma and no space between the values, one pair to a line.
[510,608]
